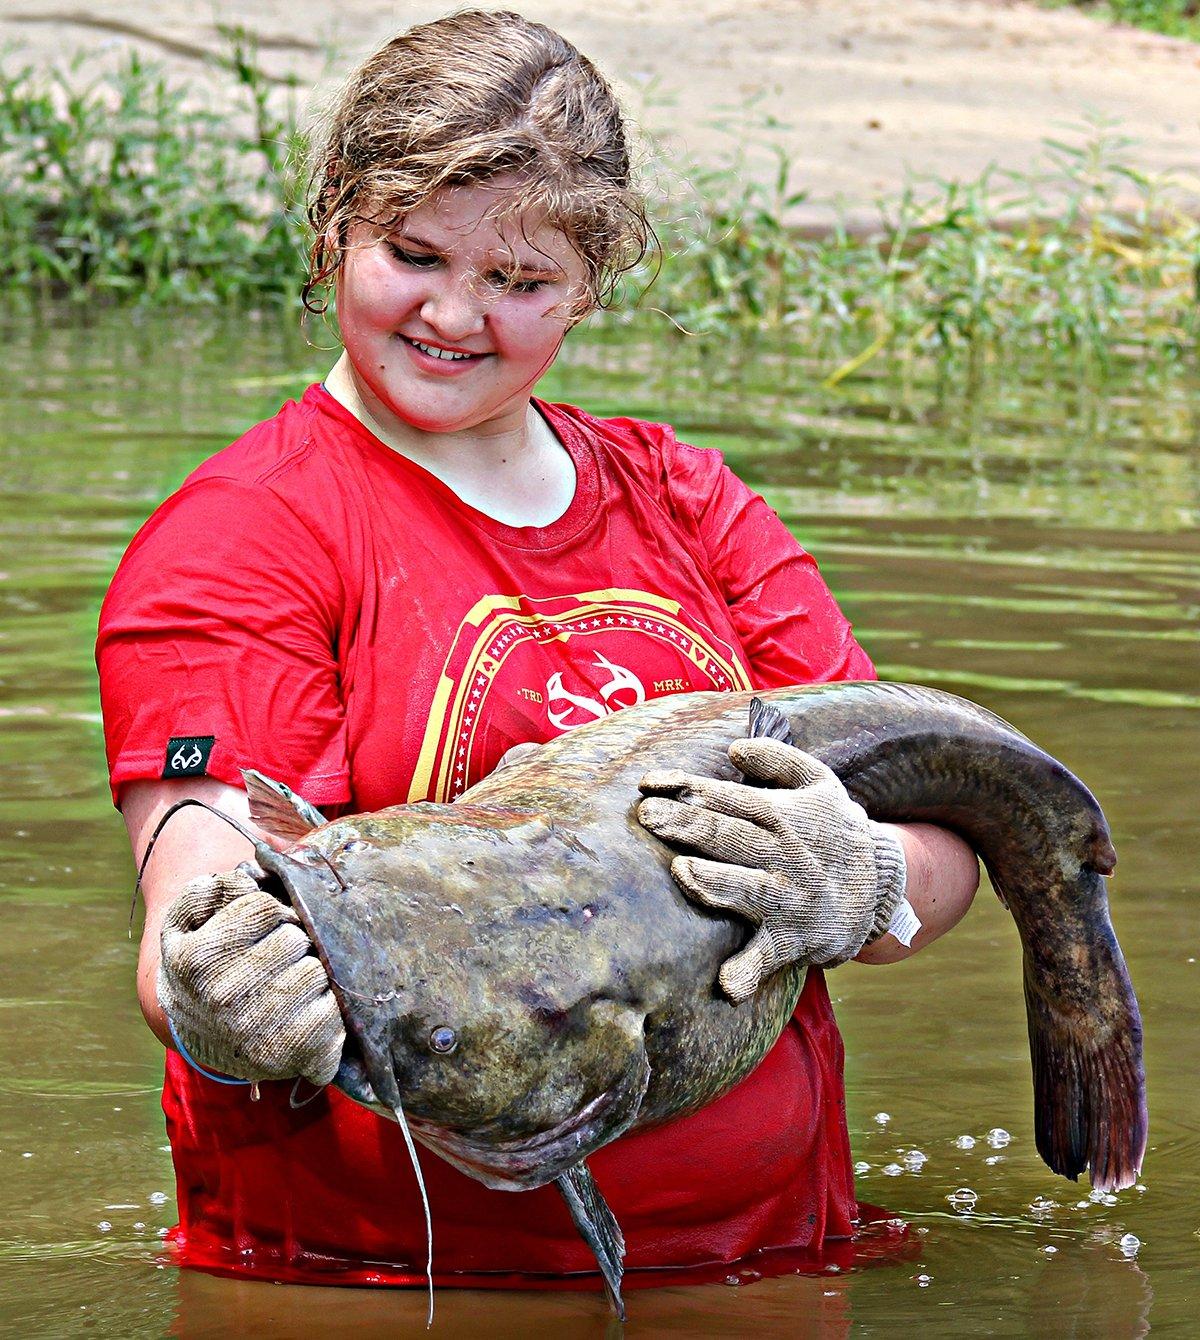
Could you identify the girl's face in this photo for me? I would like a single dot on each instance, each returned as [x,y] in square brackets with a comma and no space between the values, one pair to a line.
[437,336]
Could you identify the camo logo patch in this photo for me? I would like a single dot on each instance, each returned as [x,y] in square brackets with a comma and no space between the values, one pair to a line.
[187,755]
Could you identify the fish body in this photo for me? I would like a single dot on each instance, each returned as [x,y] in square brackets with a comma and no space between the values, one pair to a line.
[519,971]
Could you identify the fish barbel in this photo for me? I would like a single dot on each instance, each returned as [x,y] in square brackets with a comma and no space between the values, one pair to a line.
[520,974]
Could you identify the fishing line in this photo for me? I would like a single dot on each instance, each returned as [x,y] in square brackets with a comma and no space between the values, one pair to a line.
[158,828]
[416,1163]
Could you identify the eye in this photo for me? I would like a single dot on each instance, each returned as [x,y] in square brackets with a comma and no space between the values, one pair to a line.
[506,283]
[443,1040]
[355,844]
[419,260]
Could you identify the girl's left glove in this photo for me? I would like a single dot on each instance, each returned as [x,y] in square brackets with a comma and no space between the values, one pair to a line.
[804,864]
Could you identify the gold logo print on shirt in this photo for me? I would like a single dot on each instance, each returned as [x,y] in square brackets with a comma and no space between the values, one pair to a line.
[493,633]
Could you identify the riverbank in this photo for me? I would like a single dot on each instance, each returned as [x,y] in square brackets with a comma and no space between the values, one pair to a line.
[861,94]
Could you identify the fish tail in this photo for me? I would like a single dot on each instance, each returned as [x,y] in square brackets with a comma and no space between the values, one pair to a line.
[1089,1093]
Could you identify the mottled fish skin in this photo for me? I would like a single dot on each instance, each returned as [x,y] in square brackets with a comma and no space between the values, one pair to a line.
[537,920]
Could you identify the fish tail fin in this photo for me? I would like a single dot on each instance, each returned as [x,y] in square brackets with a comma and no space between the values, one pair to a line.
[598,1227]
[1089,1094]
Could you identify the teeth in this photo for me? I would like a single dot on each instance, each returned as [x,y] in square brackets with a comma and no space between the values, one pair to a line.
[439,353]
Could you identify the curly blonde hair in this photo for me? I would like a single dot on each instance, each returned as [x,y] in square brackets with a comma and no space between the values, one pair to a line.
[461,101]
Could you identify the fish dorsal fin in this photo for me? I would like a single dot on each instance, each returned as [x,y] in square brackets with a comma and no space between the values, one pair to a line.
[277,809]
[768,722]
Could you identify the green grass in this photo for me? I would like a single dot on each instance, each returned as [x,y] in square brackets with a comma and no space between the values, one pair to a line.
[1176,18]
[119,187]
[1003,265]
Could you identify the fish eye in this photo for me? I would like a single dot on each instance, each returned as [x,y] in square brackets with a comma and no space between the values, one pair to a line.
[355,844]
[443,1040]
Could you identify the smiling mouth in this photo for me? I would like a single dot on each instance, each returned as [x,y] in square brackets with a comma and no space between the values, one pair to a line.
[443,355]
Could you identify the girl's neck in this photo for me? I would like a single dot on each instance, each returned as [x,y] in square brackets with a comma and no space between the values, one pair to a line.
[514,470]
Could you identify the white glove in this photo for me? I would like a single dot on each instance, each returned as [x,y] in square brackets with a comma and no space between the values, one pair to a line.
[242,986]
[805,865]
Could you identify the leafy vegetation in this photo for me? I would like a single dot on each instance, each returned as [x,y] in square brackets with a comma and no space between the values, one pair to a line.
[1177,18]
[1088,257]
[120,187]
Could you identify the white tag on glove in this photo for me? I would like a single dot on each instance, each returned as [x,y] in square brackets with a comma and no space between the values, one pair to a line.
[904,923]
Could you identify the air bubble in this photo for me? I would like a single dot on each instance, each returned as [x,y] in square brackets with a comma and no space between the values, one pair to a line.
[1043,1205]
[915,1160]
[157,1198]
[1130,1245]
[893,1170]
[1049,1249]
[923,1281]
[104,1226]
[882,1118]
[861,1168]
[964,1198]
[965,1142]
[998,1137]
[994,1159]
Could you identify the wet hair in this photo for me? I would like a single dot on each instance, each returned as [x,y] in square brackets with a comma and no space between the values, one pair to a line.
[459,102]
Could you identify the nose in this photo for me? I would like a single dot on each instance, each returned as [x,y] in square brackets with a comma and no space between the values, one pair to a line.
[455,308]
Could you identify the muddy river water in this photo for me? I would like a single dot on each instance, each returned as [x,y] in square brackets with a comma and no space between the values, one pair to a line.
[1032,547]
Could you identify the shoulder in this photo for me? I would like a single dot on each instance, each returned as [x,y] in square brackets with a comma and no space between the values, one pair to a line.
[272,453]
[281,475]
[681,474]
[261,509]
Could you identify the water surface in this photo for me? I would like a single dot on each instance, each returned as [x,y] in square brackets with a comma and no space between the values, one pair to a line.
[1033,548]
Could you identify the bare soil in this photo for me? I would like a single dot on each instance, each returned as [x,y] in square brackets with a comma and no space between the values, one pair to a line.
[864,92]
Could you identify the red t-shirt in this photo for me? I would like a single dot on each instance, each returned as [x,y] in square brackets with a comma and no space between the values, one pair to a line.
[312,604]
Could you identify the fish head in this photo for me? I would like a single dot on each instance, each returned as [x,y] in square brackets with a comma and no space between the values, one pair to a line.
[479,992]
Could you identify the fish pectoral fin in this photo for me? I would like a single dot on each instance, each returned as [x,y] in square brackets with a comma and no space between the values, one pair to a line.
[598,1227]
[277,809]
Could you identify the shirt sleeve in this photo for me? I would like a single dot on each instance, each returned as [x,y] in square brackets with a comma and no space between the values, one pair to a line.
[789,624]
[216,646]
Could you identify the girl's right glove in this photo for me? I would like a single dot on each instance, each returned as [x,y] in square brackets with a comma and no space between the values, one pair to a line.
[242,986]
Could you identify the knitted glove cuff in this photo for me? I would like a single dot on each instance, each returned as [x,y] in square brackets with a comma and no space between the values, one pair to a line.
[891,875]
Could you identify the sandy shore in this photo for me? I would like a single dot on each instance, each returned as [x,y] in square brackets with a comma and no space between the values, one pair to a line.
[864,91]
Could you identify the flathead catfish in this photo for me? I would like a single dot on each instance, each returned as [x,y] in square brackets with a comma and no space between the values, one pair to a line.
[520,975]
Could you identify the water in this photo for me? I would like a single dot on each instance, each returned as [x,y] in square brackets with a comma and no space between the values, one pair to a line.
[1035,550]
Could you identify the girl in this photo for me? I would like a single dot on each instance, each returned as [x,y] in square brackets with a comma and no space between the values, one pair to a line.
[376,593]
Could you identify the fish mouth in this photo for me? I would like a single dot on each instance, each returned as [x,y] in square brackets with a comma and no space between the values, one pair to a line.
[532,1161]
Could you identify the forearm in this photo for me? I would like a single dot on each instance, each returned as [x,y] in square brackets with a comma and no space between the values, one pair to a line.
[147,978]
[942,876]
[193,843]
